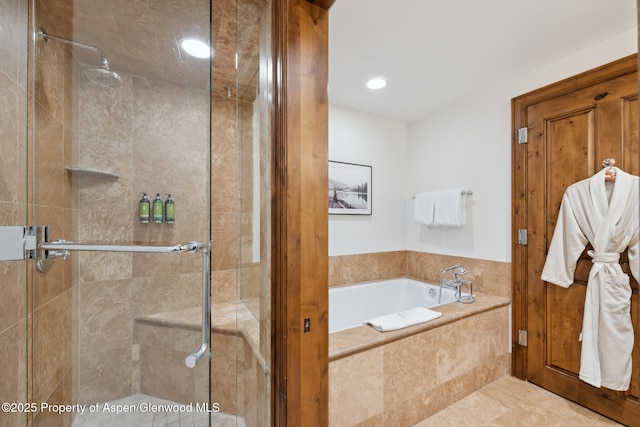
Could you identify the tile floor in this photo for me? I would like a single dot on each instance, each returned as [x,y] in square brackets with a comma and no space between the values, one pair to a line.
[507,402]
[510,402]
[147,411]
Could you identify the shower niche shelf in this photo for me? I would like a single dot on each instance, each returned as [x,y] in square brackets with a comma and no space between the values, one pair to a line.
[90,176]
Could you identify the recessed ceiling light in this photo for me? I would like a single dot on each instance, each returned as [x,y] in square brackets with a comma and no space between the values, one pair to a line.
[197,48]
[377,83]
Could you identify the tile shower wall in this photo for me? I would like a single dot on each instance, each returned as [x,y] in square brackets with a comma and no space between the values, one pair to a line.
[155,141]
[46,306]
[13,298]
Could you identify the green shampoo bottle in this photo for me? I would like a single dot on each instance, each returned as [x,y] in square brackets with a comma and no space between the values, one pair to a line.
[157,209]
[169,210]
[143,209]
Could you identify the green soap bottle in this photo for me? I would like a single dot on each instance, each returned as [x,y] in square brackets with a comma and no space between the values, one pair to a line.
[157,209]
[143,209]
[169,210]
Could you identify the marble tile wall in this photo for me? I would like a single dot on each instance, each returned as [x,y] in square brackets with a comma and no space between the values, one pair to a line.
[404,382]
[34,308]
[491,277]
[155,138]
[13,292]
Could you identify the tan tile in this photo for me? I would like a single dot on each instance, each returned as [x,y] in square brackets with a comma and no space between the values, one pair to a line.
[12,293]
[335,271]
[392,264]
[356,388]
[359,268]
[12,370]
[48,347]
[160,293]
[105,376]
[415,375]
[105,316]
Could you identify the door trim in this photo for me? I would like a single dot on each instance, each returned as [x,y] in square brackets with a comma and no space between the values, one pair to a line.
[300,216]
[519,105]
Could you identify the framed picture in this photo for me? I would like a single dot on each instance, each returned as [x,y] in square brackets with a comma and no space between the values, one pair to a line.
[349,189]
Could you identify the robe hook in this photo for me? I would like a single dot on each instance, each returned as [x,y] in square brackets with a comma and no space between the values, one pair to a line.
[608,163]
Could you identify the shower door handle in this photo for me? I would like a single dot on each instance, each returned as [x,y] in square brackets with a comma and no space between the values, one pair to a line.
[192,359]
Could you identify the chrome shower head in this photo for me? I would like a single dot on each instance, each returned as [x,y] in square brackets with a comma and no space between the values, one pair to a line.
[103,76]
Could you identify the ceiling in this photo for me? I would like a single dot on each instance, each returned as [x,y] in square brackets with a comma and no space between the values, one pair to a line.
[142,37]
[436,52]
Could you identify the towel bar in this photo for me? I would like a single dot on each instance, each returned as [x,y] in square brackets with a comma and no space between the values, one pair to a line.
[464,193]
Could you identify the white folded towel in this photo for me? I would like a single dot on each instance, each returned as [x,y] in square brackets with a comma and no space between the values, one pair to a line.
[450,209]
[424,208]
[402,319]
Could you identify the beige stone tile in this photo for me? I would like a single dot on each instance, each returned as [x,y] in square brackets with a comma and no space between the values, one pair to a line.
[105,114]
[224,240]
[164,374]
[105,316]
[12,369]
[103,266]
[168,338]
[178,121]
[359,268]
[9,114]
[225,388]
[335,271]
[392,264]
[105,376]
[13,52]
[48,347]
[223,124]
[154,264]
[356,388]
[13,292]
[160,293]
[410,367]
[478,411]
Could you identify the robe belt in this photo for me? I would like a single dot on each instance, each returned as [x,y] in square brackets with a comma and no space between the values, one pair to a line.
[604,257]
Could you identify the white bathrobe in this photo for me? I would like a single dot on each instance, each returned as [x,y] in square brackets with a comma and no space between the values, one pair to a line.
[587,215]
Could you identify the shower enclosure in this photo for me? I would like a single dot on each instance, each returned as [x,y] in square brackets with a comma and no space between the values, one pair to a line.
[117,310]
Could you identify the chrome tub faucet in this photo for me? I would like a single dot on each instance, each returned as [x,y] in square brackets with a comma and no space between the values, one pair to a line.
[456,282]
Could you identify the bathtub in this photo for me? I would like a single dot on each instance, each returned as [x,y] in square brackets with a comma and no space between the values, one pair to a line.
[351,306]
[406,375]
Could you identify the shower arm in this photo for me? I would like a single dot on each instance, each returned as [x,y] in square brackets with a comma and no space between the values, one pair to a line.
[192,359]
[45,36]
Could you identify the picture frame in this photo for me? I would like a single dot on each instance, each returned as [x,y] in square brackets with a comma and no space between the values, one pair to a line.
[349,189]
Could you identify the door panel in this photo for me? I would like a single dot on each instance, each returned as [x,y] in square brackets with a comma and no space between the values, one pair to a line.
[569,137]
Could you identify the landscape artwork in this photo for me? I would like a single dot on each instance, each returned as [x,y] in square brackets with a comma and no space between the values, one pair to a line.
[349,188]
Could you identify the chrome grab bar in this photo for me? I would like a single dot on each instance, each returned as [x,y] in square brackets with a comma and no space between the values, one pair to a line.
[191,360]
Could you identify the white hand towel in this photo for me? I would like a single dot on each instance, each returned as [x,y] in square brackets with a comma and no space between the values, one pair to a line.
[450,210]
[424,207]
[402,319]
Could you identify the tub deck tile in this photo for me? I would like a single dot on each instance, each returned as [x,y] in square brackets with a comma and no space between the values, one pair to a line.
[354,340]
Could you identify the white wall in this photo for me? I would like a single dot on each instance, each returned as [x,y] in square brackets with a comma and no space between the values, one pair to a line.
[356,137]
[469,145]
[465,145]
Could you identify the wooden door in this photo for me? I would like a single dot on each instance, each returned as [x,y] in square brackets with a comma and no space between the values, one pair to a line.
[569,135]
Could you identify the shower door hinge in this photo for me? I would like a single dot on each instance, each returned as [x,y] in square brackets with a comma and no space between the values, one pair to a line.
[522,236]
[18,242]
[522,135]
[522,337]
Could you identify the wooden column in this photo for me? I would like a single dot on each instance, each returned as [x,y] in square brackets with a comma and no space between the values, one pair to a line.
[300,214]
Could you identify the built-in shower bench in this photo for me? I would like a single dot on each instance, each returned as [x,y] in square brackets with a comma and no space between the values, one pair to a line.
[163,340]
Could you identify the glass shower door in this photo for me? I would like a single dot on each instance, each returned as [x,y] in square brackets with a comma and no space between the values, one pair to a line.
[120,170]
